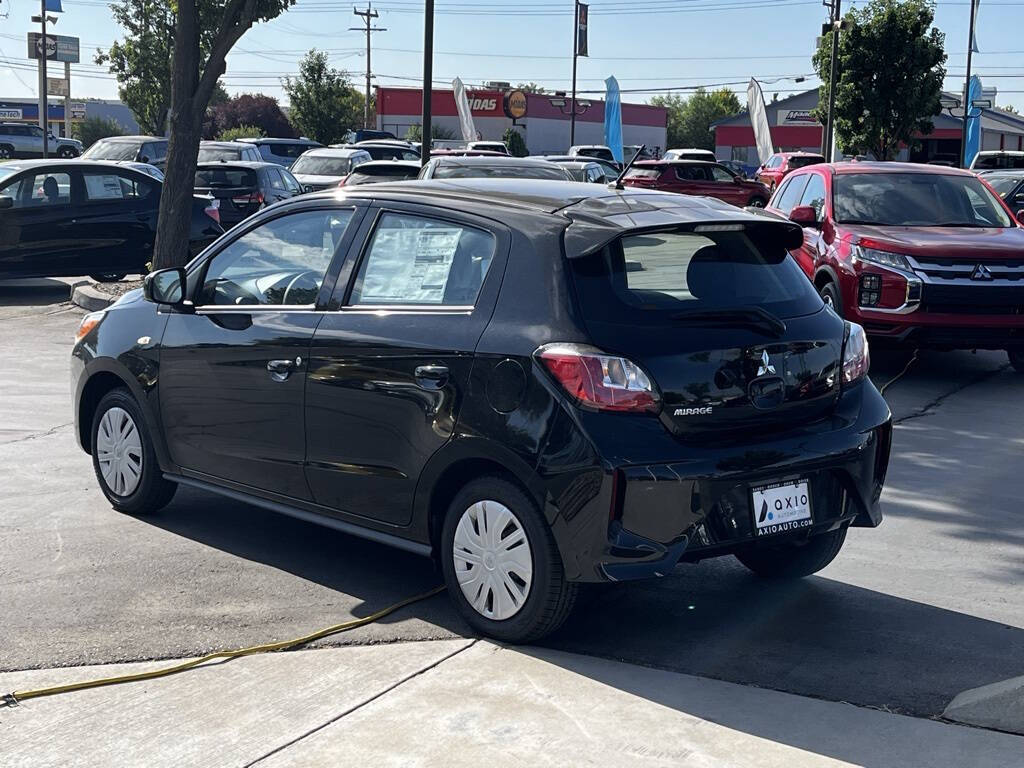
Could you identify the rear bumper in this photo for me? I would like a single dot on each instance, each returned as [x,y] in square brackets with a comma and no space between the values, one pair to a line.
[650,516]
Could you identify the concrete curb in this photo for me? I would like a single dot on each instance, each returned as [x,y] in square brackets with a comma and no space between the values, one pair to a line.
[87,297]
[999,706]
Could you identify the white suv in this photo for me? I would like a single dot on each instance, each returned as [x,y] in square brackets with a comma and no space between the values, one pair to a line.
[23,140]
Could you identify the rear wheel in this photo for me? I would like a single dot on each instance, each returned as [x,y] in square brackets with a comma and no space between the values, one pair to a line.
[830,295]
[123,457]
[1016,359]
[108,277]
[757,202]
[794,560]
[6,152]
[66,152]
[501,564]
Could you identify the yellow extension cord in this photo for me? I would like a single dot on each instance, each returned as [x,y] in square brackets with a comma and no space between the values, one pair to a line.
[16,697]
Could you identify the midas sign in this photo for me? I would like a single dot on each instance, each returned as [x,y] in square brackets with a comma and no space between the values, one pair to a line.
[515,104]
[477,104]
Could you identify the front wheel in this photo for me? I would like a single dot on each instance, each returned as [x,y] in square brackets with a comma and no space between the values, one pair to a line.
[830,295]
[108,277]
[794,560]
[123,457]
[1016,359]
[501,564]
[757,202]
[66,152]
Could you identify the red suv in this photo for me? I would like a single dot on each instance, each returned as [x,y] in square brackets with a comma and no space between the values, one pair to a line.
[779,165]
[921,254]
[697,177]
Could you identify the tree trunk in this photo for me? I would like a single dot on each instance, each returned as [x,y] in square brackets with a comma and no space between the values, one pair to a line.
[175,218]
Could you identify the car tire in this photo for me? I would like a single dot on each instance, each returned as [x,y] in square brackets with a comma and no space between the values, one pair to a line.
[6,151]
[110,277]
[757,202]
[1016,359]
[66,152]
[794,560]
[530,558]
[128,471]
[830,295]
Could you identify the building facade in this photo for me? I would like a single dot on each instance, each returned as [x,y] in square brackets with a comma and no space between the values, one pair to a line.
[544,127]
[27,111]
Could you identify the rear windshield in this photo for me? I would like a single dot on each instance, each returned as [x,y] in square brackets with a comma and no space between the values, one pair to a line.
[112,150]
[208,155]
[999,161]
[801,161]
[643,173]
[503,171]
[916,200]
[322,166]
[368,175]
[225,177]
[645,279]
[606,154]
[1003,185]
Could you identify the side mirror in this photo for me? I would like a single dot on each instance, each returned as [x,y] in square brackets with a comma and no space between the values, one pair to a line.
[144,159]
[805,216]
[6,202]
[165,286]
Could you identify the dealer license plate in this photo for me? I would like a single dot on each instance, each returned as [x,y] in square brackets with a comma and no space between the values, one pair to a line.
[781,507]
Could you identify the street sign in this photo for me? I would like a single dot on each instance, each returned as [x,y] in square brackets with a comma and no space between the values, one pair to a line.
[10,114]
[57,86]
[77,110]
[58,47]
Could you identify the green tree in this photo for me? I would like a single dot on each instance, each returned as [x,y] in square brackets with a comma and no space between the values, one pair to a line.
[891,67]
[205,31]
[514,141]
[415,133]
[531,87]
[690,119]
[92,129]
[323,104]
[240,132]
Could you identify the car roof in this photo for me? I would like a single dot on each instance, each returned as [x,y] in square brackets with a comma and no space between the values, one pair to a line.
[988,173]
[225,144]
[76,162]
[799,154]
[253,164]
[388,164]
[589,146]
[277,140]
[386,143]
[490,160]
[671,161]
[880,167]
[691,149]
[575,163]
[996,152]
[335,152]
[133,138]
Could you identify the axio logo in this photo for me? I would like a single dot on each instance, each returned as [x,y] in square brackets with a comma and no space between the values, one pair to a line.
[703,411]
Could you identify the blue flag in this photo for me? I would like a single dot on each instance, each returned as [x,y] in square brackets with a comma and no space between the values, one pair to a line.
[973,115]
[613,118]
[54,5]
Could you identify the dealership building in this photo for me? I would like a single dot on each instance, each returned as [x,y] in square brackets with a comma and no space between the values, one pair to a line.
[544,120]
[27,111]
[793,129]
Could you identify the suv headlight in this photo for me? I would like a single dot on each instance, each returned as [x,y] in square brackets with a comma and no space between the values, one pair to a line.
[882,258]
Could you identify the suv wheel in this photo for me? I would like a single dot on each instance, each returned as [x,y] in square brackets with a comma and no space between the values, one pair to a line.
[501,564]
[757,202]
[830,295]
[794,560]
[66,152]
[123,457]
[6,151]
[109,277]
[1016,359]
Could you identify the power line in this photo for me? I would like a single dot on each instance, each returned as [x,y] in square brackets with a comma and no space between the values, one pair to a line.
[367,15]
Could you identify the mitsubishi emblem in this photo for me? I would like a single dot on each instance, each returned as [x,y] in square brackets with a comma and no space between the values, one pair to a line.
[765,366]
[981,272]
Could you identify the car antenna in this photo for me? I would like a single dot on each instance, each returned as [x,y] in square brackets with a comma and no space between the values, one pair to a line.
[617,184]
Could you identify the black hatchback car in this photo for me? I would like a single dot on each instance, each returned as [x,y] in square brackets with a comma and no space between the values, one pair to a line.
[538,383]
[76,217]
[242,188]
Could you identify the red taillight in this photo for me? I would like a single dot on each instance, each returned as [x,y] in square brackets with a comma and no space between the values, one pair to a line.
[255,197]
[856,358]
[598,380]
[213,211]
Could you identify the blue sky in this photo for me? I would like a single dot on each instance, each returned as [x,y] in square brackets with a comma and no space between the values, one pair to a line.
[644,43]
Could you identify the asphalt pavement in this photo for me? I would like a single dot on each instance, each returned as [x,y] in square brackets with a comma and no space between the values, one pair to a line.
[909,615]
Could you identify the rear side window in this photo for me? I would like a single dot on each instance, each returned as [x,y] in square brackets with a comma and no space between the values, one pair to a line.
[644,279]
[113,186]
[415,260]
[42,189]
[691,173]
[643,173]
[804,160]
[790,195]
[155,151]
[225,177]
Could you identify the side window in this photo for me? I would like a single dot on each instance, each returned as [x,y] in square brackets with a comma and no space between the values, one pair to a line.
[281,262]
[155,151]
[276,182]
[415,260]
[814,194]
[290,182]
[113,186]
[42,189]
[718,173]
[690,173]
[788,197]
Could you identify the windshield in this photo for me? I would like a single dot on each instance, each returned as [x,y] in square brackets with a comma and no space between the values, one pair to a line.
[916,200]
[803,160]
[503,171]
[998,161]
[322,166]
[209,155]
[225,177]
[647,278]
[111,150]
[1003,185]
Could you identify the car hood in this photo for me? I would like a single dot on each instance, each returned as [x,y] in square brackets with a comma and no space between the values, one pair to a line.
[943,242]
[310,178]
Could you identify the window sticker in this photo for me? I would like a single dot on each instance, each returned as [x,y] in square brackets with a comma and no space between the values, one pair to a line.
[392,277]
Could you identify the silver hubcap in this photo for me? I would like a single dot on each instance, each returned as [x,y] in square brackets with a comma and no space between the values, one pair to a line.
[827,298]
[119,452]
[492,560]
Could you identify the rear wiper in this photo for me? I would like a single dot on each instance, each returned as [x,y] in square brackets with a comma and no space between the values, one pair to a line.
[756,318]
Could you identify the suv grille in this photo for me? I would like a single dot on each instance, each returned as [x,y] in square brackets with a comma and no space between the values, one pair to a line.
[971,287]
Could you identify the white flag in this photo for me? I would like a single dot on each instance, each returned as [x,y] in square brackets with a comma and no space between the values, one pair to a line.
[974,29]
[759,120]
[465,116]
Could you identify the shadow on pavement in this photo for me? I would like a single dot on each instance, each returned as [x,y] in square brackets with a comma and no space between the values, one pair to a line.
[24,293]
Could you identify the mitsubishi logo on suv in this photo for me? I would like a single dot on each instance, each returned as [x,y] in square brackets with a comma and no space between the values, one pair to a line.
[765,366]
[981,272]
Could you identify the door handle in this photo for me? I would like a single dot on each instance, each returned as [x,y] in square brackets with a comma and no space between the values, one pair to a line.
[431,376]
[281,369]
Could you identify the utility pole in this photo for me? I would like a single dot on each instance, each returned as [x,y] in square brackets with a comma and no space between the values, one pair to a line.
[44,114]
[367,15]
[967,86]
[829,133]
[428,79]
[575,53]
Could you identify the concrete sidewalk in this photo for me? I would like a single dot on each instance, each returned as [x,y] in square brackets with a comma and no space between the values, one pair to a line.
[459,703]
